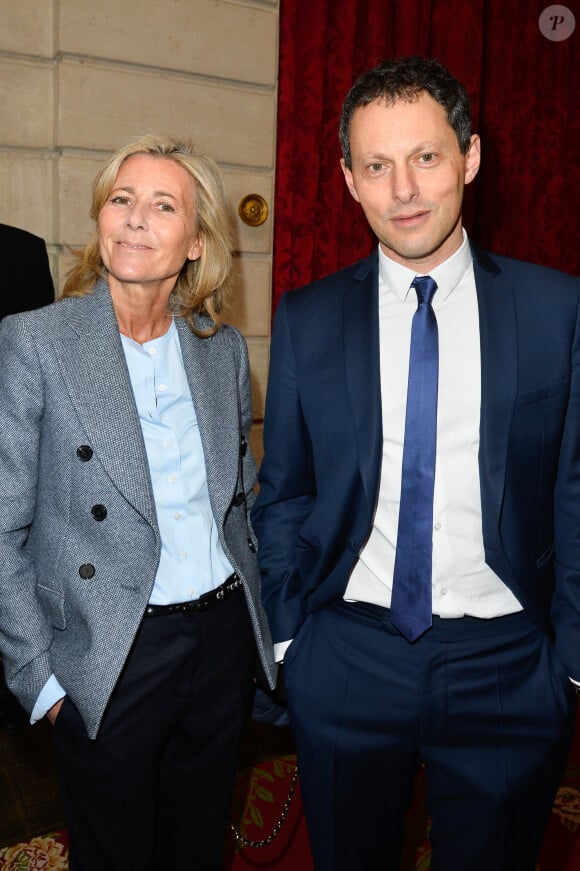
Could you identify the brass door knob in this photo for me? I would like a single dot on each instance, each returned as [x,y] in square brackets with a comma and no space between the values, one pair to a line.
[253,210]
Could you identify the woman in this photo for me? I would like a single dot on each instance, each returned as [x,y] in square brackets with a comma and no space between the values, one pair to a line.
[129,591]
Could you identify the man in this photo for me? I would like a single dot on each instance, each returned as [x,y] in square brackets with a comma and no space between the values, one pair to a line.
[419,511]
[27,284]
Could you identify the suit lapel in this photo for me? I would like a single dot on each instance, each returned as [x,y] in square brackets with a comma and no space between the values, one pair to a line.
[95,372]
[212,374]
[362,362]
[498,343]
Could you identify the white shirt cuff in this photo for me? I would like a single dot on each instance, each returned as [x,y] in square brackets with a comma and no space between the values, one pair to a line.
[280,649]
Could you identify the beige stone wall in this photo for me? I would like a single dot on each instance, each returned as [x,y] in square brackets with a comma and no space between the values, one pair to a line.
[79,78]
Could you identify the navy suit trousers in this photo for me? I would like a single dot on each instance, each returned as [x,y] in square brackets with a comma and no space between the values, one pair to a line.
[484,705]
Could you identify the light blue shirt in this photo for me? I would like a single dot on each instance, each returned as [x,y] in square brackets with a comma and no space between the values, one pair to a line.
[192,559]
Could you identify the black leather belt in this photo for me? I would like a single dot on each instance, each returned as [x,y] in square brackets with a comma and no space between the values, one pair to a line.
[197,606]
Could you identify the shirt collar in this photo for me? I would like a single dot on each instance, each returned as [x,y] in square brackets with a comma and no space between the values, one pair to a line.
[448,274]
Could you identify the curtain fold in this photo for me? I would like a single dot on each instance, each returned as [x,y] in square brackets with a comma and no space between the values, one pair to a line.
[524,90]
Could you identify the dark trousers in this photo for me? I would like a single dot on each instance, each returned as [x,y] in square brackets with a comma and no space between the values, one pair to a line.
[483,704]
[12,715]
[153,791]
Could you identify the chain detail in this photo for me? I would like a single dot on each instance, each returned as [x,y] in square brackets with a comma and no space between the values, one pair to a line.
[246,842]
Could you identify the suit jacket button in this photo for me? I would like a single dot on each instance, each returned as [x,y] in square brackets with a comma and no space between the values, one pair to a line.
[84,453]
[238,499]
[87,571]
[99,512]
[251,545]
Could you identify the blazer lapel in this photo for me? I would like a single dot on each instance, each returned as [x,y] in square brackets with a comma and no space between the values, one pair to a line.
[362,371]
[498,343]
[211,369]
[95,373]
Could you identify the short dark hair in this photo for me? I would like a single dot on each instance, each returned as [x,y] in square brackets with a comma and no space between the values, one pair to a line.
[403,79]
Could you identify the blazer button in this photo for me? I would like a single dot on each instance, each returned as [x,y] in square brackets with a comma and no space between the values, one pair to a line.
[87,571]
[84,453]
[99,512]
[238,499]
[243,446]
[251,545]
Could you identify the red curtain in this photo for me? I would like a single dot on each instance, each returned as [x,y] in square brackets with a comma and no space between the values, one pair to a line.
[524,90]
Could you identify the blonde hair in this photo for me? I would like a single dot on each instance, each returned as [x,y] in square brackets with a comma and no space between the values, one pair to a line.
[202,286]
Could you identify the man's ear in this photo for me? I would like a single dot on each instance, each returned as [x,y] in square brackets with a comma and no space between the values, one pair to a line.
[349,180]
[472,158]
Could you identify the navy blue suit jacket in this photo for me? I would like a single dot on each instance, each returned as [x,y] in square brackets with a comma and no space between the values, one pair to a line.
[323,441]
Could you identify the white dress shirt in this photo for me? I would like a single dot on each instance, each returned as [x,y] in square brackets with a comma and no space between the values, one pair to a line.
[462,582]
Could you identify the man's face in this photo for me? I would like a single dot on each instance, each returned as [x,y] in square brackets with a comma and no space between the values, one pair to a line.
[408,174]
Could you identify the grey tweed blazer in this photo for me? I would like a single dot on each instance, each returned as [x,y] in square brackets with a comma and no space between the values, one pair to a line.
[70,438]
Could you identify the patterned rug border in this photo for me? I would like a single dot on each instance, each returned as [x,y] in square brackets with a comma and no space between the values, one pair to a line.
[258,799]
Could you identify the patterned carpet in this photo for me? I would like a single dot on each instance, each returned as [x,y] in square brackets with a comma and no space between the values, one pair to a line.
[260,796]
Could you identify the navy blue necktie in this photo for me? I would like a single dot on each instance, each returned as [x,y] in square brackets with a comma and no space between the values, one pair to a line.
[411,608]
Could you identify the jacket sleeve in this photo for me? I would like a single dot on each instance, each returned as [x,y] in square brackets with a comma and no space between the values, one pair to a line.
[287,487]
[565,609]
[25,635]
[43,290]
[249,471]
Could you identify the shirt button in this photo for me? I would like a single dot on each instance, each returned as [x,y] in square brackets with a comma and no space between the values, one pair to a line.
[152,351]
[183,554]
[177,516]
[172,479]
[192,592]
[168,443]
[162,387]
[437,527]
[444,591]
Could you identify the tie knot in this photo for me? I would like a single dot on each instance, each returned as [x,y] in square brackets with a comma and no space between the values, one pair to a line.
[425,287]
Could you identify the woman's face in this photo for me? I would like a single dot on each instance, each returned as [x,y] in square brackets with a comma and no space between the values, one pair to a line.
[148,225]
